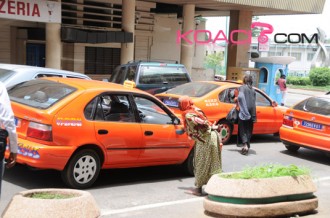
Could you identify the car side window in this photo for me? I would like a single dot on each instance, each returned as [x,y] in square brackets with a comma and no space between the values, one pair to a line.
[110,107]
[150,112]
[261,100]
[40,75]
[227,96]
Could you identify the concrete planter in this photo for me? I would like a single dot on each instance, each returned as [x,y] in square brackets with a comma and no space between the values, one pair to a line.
[79,204]
[269,197]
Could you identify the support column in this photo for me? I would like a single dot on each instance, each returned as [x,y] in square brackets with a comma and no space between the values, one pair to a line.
[128,25]
[187,50]
[53,45]
[238,54]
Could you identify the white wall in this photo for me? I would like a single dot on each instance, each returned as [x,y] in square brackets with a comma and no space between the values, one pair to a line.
[164,45]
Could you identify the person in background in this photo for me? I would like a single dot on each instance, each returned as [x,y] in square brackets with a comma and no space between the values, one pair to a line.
[207,159]
[246,104]
[281,82]
[7,125]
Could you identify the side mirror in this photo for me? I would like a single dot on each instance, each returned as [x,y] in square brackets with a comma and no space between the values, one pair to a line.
[274,104]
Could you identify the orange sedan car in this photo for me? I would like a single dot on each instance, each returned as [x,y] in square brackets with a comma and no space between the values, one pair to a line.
[216,100]
[307,124]
[81,126]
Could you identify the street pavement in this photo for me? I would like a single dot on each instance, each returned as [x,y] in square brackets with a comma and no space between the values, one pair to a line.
[297,95]
[261,152]
[305,92]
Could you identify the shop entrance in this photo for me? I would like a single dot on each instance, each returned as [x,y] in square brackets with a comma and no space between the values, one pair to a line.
[35,54]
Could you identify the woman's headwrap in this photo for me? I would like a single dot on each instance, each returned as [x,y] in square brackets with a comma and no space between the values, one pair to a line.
[187,106]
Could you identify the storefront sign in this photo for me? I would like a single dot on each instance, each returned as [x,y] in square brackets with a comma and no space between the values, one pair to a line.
[31,10]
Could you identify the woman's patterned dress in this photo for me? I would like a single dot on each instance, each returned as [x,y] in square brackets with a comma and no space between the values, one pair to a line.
[207,160]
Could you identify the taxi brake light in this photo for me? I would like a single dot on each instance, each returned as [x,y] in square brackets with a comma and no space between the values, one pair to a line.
[40,131]
[287,121]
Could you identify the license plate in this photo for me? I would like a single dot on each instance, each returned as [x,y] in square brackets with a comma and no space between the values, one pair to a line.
[17,122]
[312,125]
[171,103]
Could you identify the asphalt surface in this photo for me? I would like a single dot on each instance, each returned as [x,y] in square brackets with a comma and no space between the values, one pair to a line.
[261,152]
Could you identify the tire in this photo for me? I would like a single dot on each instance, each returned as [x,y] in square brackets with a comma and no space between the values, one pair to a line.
[82,170]
[292,148]
[226,131]
[188,165]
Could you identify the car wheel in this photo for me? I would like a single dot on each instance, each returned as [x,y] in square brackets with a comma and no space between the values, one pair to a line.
[82,170]
[226,131]
[188,165]
[292,148]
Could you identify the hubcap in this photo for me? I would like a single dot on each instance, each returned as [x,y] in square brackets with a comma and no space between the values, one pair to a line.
[225,132]
[84,170]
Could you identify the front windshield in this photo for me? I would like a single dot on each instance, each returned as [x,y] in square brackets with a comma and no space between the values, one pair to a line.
[193,89]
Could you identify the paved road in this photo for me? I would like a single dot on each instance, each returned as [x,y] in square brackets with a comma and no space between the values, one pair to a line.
[296,95]
[160,191]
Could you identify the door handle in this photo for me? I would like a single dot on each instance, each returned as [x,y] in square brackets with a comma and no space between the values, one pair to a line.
[102,131]
[148,133]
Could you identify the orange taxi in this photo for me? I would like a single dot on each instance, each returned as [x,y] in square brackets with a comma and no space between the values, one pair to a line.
[82,126]
[307,124]
[216,100]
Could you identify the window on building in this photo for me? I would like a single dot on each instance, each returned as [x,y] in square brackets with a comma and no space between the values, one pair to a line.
[297,55]
[101,60]
[272,53]
[310,56]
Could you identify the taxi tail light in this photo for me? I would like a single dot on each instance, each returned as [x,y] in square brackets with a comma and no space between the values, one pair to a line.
[288,121]
[40,131]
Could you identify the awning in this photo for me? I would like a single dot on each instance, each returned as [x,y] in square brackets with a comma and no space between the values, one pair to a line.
[258,7]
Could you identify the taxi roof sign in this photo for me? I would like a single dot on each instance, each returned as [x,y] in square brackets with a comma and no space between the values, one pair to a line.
[129,84]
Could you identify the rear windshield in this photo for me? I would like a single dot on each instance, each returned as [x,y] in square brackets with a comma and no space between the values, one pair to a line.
[193,89]
[5,74]
[163,75]
[316,105]
[39,93]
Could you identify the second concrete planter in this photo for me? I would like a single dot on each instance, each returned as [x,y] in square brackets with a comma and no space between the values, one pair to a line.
[267,197]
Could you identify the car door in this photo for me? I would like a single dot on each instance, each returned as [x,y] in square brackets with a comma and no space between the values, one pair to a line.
[116,129]
[266,115]
[160,141]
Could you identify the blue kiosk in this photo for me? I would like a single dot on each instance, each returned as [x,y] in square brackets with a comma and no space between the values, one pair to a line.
[271,69]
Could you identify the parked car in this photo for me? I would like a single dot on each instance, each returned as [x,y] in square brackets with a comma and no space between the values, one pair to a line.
[307,124]
[153,77]
[12,74]
[81,126]
[216,99]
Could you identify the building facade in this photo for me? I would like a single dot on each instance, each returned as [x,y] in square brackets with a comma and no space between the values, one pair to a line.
[94,36]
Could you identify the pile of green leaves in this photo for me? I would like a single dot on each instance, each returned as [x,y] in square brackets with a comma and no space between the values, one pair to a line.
[49,195]
[268,171]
